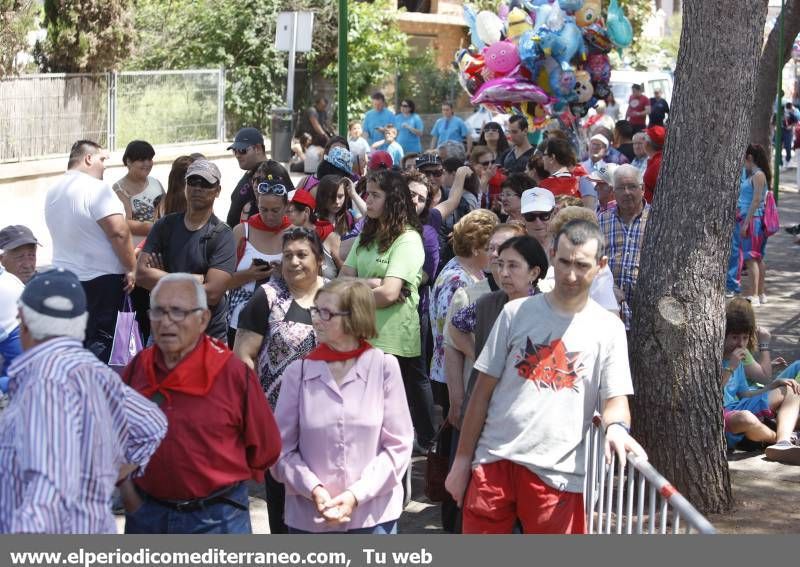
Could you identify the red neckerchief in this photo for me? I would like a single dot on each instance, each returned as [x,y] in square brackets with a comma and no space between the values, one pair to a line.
[327,354]
[194,375]
[324,228]
[258,223]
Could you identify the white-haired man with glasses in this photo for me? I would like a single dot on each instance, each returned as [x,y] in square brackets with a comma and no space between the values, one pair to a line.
[195,242]
[221,431]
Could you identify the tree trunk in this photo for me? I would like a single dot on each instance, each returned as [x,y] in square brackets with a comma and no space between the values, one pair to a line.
[679,311]
[767,80]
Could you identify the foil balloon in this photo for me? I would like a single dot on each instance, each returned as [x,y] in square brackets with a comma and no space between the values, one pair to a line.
[589,13]
[529,49]
[560,81]
[469,68]
[601,90]
[571,5]
[596,38]
[548,17]
[470,18]
[599,67]
[517,23]
[509,90]
[583,87]
[501,57]
[489,26]
[619,27]
[564,44]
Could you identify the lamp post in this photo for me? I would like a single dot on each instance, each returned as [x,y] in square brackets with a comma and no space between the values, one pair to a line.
[342,75]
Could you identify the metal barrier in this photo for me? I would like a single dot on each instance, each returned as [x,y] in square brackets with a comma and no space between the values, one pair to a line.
[633,499]
[41,115]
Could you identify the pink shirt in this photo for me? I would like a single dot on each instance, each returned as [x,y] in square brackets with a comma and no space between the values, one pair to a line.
[357,436]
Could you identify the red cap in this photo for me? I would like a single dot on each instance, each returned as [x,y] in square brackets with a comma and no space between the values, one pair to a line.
[657,134]
[380,160]
[304,198]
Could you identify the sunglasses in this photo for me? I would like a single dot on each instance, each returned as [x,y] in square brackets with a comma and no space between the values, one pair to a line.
[485,163]
[532,217]
[199,182]
[434,172]
[491,130]
[241,152]
[266,188]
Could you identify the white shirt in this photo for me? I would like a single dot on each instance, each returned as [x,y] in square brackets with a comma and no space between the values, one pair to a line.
[10,291]
[72,209]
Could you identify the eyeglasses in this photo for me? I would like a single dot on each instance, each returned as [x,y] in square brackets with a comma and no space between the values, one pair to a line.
[434,172]
[326,314]
[266,188]
[239,152]
[175,313]
[532,217]
[199,182]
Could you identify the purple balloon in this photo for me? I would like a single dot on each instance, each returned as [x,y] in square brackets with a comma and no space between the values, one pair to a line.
[509,90]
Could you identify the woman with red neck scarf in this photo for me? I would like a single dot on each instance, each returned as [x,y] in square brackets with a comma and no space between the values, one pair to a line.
[259,243]
[343,466]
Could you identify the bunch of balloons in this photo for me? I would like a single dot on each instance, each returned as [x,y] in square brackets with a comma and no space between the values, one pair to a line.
[541,58]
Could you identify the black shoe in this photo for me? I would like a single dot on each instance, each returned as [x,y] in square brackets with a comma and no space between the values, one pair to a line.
[793,230]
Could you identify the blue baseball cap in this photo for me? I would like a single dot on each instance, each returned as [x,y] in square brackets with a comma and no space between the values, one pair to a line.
[55,293]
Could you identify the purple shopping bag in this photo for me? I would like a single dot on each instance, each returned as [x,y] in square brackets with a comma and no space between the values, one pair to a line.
[127,339]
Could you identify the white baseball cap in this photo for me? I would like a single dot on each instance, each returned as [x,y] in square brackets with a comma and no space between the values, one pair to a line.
[603,173]
[537,200]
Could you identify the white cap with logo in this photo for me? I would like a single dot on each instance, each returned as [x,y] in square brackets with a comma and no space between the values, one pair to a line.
[537,200]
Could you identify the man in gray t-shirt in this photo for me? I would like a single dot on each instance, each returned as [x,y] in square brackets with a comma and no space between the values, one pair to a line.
[551,361]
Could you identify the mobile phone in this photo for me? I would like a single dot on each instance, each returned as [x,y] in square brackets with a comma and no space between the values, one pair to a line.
[259,262]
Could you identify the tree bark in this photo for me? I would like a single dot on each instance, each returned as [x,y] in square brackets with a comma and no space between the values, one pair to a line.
[678,305]
[767,81]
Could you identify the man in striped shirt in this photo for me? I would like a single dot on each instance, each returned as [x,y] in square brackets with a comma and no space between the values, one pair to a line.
[72,428]
[623,229]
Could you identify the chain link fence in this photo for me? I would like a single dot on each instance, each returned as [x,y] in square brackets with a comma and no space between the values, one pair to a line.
[42,115]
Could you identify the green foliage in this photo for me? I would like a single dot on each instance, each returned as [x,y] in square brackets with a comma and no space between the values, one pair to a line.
[17,18]
[376,51]
[85,35]
[236,34]
[426,84]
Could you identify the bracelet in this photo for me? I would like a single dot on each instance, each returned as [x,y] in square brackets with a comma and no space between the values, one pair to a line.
[763,346]
[621,424]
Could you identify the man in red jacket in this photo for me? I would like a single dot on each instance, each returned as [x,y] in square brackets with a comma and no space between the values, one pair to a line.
[654,144]
[221,431]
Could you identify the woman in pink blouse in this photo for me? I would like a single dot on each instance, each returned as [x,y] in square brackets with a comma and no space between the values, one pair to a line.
[344,422]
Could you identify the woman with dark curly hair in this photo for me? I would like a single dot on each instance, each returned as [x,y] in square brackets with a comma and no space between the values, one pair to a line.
[388,255]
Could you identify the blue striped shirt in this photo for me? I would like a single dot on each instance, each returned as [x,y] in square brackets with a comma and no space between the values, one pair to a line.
[70,425]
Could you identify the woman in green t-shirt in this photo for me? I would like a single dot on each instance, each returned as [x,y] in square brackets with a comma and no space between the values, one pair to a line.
[388,255]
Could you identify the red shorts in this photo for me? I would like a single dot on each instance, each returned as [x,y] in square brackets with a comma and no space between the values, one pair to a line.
[500,493]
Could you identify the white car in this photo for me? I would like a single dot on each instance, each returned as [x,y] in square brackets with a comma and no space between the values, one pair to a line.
[622,82]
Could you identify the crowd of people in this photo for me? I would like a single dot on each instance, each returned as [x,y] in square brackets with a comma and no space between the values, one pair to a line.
[306,341]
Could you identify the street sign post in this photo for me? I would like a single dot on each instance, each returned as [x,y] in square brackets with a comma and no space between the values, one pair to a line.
[294,33]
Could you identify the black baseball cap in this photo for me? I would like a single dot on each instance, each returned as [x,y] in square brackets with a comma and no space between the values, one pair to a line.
[245,138]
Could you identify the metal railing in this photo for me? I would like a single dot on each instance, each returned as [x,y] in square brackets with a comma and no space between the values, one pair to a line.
[41,115]
[634,499]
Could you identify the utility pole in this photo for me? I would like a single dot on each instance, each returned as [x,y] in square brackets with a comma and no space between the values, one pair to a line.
[342,90]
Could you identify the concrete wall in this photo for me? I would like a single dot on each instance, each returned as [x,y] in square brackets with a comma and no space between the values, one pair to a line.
[24,185]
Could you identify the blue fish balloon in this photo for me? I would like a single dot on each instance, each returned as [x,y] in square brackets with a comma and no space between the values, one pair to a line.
[619,27]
